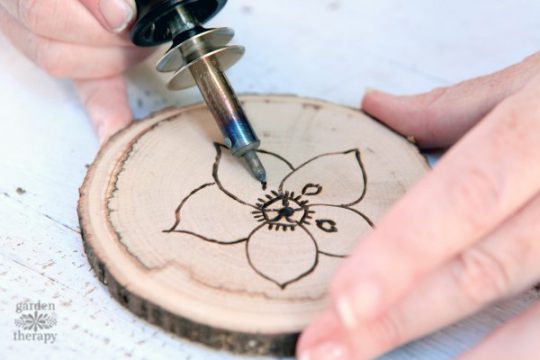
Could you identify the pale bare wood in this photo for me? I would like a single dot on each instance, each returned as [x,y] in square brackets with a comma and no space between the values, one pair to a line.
[185,238]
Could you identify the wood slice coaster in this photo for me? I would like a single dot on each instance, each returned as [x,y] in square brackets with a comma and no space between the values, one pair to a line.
[184,237]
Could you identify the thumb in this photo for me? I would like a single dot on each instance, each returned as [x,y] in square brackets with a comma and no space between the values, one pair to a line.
[440,117]
[106,103]
[114,15]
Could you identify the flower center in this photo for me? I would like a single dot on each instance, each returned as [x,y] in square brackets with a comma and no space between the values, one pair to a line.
[286,212]
[282,210]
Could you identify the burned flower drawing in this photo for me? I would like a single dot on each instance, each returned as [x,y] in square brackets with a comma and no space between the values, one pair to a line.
[298,217]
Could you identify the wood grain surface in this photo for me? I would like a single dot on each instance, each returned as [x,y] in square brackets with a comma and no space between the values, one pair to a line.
[184,236]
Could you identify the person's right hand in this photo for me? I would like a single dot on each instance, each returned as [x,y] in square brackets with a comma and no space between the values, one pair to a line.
[83,40]
[464,237]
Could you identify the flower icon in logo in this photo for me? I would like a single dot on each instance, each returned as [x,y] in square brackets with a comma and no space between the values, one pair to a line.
[303,213]
[36,321]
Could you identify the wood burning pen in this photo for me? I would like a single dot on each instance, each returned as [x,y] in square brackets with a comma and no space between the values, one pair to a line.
[199,56]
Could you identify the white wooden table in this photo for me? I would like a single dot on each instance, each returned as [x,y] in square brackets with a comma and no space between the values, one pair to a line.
[329,49]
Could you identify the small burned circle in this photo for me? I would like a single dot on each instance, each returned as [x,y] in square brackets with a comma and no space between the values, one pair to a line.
[312,189]
[282,210]
[326,225]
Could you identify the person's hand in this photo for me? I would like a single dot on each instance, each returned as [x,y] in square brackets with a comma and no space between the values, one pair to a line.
[466,235]
[83,40]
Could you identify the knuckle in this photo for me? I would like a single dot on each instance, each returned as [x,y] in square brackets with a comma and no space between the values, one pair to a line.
[480,276]
[28,12]
[475,194]
[432,100]
[386,333]
[515,131]
[36,15]
[432,112]
[532,60]
[90,98]
[46,57]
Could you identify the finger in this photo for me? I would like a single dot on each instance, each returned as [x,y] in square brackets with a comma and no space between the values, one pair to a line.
[114,15]
[503,264]
[325,339]
[70,60]
[439,118]
[106,102]
[63,20]
[515,340]
[474,188]
[321,329]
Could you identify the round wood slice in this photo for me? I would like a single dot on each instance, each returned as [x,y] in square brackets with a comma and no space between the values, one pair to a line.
[186,238]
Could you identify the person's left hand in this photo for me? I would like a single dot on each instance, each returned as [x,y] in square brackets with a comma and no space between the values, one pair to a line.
[466,235]
[82,40]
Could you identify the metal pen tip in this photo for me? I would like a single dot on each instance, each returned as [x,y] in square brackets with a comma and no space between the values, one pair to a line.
[256,166]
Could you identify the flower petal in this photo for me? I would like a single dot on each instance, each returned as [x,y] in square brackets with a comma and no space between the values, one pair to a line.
[335,179]
[337,230]
[213,216]
[282,257]
[232,176]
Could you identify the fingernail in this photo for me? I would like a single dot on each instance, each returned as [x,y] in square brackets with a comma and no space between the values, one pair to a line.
[326,351]
[361,303]
[117,13]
